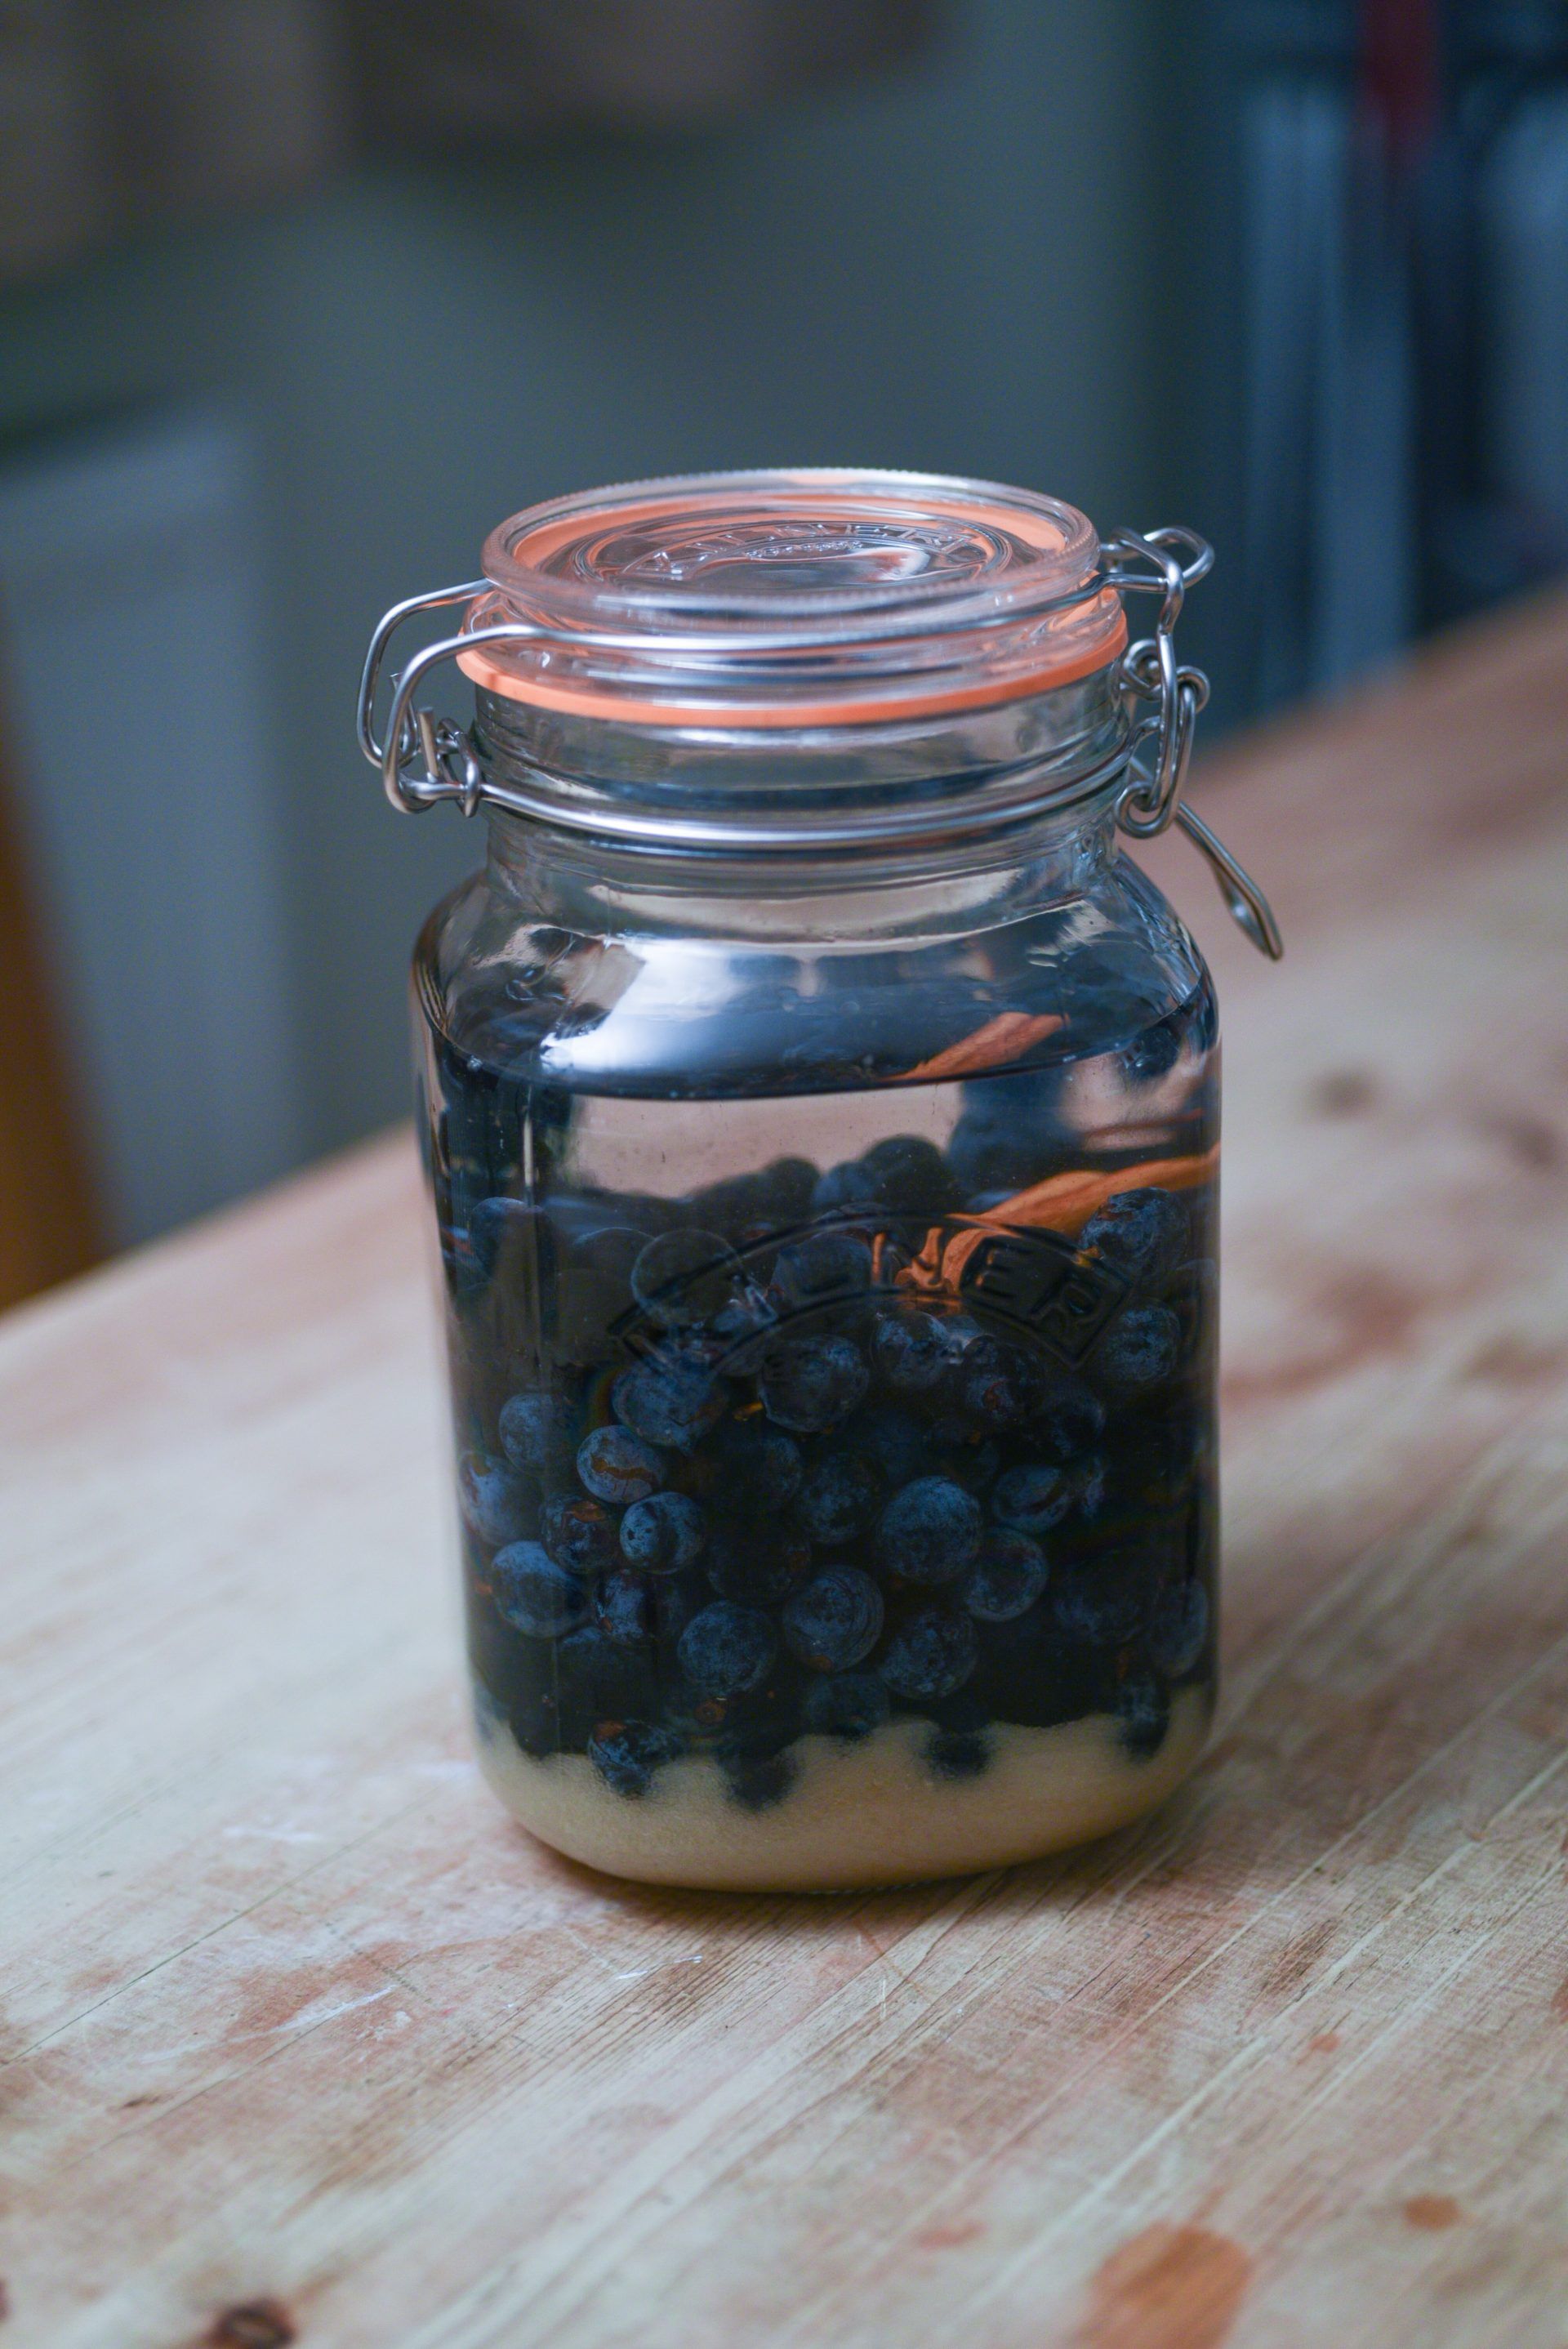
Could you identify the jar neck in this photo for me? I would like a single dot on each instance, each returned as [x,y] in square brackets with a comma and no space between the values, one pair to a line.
[606,889]
[940,823]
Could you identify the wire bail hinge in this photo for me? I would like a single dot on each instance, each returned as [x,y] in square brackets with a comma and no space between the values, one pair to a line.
[1152,563]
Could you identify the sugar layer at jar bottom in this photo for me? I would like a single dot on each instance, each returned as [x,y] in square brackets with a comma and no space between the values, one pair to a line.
[866,1813]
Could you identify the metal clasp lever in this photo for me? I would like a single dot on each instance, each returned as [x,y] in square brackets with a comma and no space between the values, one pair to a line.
[1152,799]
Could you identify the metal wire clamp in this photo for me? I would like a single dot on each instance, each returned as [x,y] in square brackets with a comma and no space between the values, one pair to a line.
[424,759]
[1150,798]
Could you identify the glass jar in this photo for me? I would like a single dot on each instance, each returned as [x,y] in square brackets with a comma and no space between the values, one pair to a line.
[821,1115]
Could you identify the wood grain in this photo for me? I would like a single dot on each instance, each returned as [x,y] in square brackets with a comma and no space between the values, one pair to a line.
[296,2023]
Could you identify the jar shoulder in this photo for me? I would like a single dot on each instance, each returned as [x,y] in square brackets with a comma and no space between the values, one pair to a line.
[659,1013]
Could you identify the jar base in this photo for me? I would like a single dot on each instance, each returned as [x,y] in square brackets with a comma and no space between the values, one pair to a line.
[854,1816]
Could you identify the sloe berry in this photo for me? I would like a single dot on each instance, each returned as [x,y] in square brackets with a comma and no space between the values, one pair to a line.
[503,1232]
[758,1781]
[908,1351]
[929,1654]
[809,1384]
[668,1400]
[758,1561]
[624,1608]
[1106,1604]
[580,1534]
[1033,1498]
[893,1442]
[846,1185]
[757,1466]
[851,1705]
[727,1650]
[492,1499]
[609,1249]
[533,1432]
[840,1497]
[626,1754]
[1143,1715]
[957,1753]
[744,1328]
[534,1594]
[619,1467]
[1007,1577]
[1066,1418]
[999,1384]
[1141,1234]
[930,1532]
[663,1533]
[1139,1352]
[821,1265]
[684,1276]
[909,1177]
[1154,1053]
[835,1620]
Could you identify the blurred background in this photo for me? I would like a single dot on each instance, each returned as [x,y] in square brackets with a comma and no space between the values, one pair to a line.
[297,297]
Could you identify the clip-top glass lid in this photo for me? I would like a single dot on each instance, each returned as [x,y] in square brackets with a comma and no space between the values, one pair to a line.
[806,598]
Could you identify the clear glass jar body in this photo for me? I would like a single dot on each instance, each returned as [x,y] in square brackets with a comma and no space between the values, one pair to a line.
[828,1248]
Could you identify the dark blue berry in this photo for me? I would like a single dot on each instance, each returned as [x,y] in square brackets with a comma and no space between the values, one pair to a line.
[809,1384]
[1105,1604]
[999,1384]
[624,1608]
[910,1177]
[663,1533]
[534,1431]
[1066,1418]
[535,1594]
[823,1265]
[847,1185]
[627,1754]
[969,1461]
[1033,1498]
[758,1781]
[1006,1578]
[1140,1233]
[1139,1352]
[684,1276]
[1114,987]
[503,1232]
[492,1498]
[669,1401]
[835,1620]
[580,1534]
[1143,1715]
[727,1650]
[784,1190]
[1193,1294]
[851,1706]
[897,1444]
[744,1328]
[619,1467]
[930,1655]
[757,1467]
[1178,1631]
[957,1753]
[609,1249]
[758,1561]
[909,1353]
[1154,1053]
[840,1497]
[930,1532]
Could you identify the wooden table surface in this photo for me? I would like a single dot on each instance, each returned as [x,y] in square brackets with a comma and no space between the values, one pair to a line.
[303,2041]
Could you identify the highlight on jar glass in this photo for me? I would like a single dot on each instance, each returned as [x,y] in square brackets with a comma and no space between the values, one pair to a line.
[821,1117]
